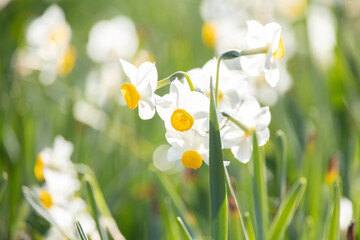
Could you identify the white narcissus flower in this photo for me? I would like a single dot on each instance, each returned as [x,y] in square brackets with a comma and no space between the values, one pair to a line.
[57,157]
[112,39]
[255,119]
[232,83]
[49,34]
[190,147]
[183,109]
[140,90]
[259,36]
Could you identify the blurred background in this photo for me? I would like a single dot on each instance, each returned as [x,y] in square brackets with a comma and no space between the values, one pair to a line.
[60,75]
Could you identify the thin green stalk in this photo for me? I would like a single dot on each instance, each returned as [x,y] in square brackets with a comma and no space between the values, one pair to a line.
[281,163]
[237,123]
[249,226]
[259,191]
[166,81]
[334,233]
[183,226]
[231,55]
[218,197]
[80,230]
[236,204]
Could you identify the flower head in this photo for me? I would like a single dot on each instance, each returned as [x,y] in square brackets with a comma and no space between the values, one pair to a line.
[255,119]
[183,109]
[190,147]
[264,36]
[139,92]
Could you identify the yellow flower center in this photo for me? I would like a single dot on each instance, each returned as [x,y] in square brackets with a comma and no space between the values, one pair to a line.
[66,62]
[220,95]
[181,120]
[250,132]
[59,35]
[191,159]
[39,168]
[208,33]
[130,94]
[280,51]
[45,199]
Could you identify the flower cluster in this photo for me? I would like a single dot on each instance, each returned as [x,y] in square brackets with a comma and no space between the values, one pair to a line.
[58,193]
[185,109]
[48,47]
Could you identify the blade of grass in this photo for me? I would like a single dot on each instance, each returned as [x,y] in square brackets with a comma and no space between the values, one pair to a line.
[183,226]
[259,191]
[36,205]
[80,230]
[95,211]
[287,210]
[218,198]
[180,208]
[3,184]
[281,155]
[232,192]
[249,226]
[106,217]
[334,233]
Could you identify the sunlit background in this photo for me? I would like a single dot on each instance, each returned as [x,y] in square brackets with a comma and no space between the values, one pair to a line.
[60,75]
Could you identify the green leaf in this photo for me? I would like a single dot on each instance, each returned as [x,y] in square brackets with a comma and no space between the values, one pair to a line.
[232,192]
[280,141]
[180,208]
[95,211]
[218,198]
[249,226]
[334,222]
[183,226]
[3,184]
[37,206]
[80,231]
[287,209]
[259,190]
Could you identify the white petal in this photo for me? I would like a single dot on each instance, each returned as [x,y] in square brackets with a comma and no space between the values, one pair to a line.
[147,108]
[263,136]
[242,152]
[164,105]
[160,158]
[146,76]
[272,74]
[273,32]
[174,154]
[130,70]
[253,65]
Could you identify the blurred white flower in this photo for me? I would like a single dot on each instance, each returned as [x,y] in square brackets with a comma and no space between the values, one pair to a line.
[232,84]
[346,213]
[190,147]
[3,3]
[140,90]
[103,83]
[321,27]
[112,39]
[263,36]
[89,115]
[183,109]
[264,93]
[57,157]
[49,34]
[255,119]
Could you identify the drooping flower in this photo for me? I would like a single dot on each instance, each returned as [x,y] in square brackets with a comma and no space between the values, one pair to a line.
[183,109]
[252,117]
[112,39]
[232,83]
[140,90]
[259,36]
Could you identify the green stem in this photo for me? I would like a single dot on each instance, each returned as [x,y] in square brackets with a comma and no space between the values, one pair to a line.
[166,81]
[237,123]
[231,55]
